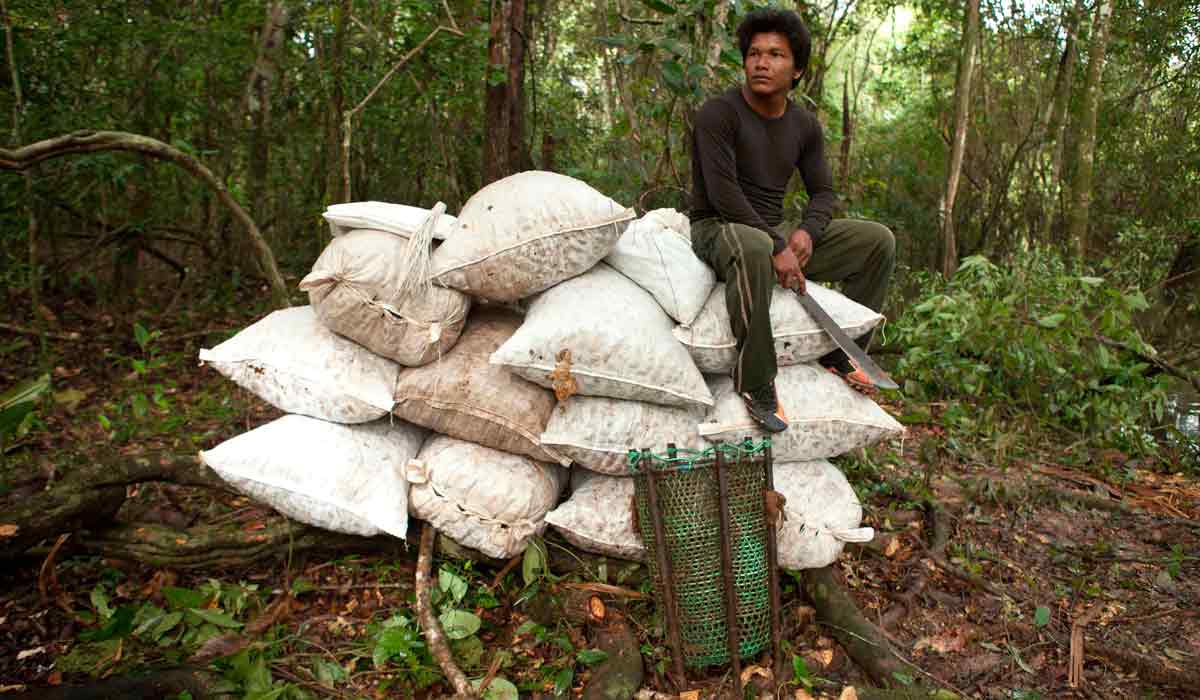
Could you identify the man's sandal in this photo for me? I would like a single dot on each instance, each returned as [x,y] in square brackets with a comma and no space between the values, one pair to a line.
[857,379]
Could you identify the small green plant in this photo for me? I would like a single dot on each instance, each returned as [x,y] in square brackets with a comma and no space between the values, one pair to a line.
[17,409]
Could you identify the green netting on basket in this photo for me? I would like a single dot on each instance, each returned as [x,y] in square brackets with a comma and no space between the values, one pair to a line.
[684,458]
[689,506]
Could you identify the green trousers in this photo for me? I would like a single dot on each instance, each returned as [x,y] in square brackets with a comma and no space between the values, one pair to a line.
[860,254]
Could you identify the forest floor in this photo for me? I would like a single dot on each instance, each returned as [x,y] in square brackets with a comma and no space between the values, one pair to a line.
[991,554]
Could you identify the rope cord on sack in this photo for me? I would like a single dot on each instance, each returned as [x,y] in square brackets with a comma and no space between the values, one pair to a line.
[686,458]
[414,265]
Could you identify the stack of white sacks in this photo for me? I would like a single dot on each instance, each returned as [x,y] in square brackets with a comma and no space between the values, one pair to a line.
[464,371]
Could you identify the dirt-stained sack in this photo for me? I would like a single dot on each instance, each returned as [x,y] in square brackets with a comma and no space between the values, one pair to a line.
[345,478]
[825,417]
[822,513]
[354,288]
[659,258]
[293,362]
[798,338]
[598,432]
[527,232]
[464,396]
[481,498]
[598,517]
[599,334]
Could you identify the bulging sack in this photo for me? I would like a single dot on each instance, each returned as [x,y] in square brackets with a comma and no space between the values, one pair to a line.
[599,334]
[597,433]
[598,516]
[525,233]
[821,514]
[397,219]
[354,288]
[293,362]
[482,498]
[345,478]
[660,260]
[464,396]
[825,417]
[798,338]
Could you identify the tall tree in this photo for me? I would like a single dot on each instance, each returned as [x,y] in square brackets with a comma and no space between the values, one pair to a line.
[962,106]
[495,113]
[1056,117]
[1085,133]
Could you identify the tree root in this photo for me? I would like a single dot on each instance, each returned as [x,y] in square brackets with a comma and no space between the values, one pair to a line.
[863,641]
[438,647]
[223,546]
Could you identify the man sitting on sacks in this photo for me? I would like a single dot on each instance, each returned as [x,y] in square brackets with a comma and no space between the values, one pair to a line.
[748,141]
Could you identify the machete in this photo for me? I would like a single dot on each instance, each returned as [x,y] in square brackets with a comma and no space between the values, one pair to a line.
[859,358]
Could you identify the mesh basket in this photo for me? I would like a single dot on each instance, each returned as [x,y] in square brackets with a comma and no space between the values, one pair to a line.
[693,585]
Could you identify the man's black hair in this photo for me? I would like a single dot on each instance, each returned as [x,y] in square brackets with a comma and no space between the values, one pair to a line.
[784,22]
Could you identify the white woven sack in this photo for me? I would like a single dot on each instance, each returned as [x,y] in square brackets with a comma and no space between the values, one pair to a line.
[527,232]
[661,261]
[397,219]
[618,338]
[672,219]
[481,498]
[597,432]
[346,478]
[825,417]
[822,514]
[294,363]
[798,338]
[598,517]
[354,288]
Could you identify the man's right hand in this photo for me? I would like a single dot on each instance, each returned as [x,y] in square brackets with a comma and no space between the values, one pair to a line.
[787,268]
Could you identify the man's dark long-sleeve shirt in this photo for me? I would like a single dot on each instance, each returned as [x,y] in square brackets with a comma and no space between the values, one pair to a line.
[742,161]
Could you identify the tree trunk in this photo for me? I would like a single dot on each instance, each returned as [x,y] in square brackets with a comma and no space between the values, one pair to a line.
[1085,142]
[335,189]
[1056,119]
[495,118]
[847,136]
[35,279]
[514,96]
[962,105]
[257,101]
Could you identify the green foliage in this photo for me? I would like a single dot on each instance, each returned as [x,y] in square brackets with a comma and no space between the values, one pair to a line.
[1025,338]
[16,409]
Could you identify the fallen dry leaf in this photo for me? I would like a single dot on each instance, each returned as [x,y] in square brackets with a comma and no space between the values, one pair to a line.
[802,694]
[9,530]
[690,695]
[217,647]
[848,693]
[947,642]
[22,655]
[805,614]
[754,670]
[55,678]
[892,547]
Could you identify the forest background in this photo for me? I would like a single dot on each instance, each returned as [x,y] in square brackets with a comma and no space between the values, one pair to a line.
[1039,163]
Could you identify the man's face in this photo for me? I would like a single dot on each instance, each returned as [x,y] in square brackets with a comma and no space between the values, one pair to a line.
[769,65]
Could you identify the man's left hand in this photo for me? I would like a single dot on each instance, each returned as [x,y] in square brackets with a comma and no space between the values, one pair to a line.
[801,245]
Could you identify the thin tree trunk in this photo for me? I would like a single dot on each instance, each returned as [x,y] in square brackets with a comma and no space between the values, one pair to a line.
[337,189]
[962,105]
[1085,143]
[515,87]
[847,136]
[1056,119]
[35,278]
